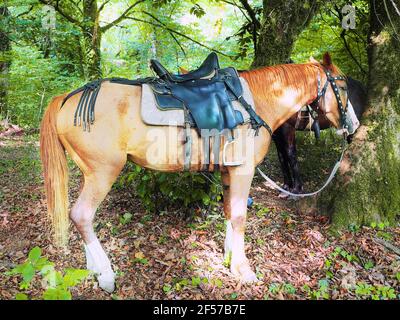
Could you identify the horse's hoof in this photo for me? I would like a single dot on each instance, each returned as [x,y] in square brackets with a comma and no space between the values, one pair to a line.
[249,277]
[282,195]
[107,281]
[244,274]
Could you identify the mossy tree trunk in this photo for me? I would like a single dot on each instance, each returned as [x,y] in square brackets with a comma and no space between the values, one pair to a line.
[5,61]
[368,187]
[282,22]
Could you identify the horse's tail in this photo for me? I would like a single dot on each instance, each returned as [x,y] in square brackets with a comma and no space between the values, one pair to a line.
[55,171]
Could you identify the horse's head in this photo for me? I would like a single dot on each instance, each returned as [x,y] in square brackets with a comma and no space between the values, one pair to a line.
[333,99]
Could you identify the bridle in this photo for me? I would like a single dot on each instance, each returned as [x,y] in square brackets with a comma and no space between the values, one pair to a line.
[321,94]
[344,126]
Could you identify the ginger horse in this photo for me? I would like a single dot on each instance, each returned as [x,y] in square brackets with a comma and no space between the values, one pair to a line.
[119,134]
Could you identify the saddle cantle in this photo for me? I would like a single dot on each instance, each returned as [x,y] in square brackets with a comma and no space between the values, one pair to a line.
[205,96]
[206,70]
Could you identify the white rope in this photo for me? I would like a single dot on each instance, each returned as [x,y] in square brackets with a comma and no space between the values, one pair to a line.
[273,184]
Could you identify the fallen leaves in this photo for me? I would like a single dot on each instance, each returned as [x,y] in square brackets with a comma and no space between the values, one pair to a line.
[284,246]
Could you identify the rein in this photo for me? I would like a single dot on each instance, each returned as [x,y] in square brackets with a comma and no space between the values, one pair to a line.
[274,185]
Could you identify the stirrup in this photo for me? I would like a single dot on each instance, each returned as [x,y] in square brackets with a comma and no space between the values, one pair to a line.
[229,163]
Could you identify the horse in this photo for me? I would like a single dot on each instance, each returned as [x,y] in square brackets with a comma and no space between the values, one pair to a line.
[285,136]
[119,134]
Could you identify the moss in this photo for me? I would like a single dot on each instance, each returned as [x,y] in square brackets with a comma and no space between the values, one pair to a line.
[370,191]
[373,193]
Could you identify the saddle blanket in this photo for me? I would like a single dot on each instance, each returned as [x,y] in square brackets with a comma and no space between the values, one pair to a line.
[152,115]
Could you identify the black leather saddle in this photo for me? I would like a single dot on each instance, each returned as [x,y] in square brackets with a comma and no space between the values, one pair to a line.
[203,93]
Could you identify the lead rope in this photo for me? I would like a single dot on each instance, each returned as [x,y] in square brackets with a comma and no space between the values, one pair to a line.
[275,186]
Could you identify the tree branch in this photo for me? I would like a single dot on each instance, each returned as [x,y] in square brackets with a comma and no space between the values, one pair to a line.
[179,34]
[76,6]
[24,13]
[231,3]
[60,11]
[103,5]
[122,17]
[346,45]
[170,32]
[251,13]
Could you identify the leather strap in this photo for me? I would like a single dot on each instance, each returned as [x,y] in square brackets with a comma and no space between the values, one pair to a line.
[274,185]
[205,136]
[256,121]
[188,142]
[216,149]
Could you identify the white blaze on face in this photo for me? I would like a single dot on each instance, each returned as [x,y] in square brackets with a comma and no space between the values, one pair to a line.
[352,116]
[351,119]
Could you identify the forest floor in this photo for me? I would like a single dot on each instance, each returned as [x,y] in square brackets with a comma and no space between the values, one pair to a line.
[170,256]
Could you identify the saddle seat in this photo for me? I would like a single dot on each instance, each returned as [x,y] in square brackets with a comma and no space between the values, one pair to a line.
[206,70]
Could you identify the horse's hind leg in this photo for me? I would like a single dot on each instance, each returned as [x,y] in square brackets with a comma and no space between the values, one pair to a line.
[96,186]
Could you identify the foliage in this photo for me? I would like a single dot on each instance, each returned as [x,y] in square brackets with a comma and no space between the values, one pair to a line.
[159,190]
[57,284]
[34,80]
[325,33]
[367,291]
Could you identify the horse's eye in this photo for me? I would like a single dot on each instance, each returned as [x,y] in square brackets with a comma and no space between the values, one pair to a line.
[343,88]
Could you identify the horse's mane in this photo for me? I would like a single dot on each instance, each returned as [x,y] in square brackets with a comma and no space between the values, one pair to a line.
[271,81]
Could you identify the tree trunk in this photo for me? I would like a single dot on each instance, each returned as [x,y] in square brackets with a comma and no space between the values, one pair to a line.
[282,22]
[91,40]
[5,61]
[368,187]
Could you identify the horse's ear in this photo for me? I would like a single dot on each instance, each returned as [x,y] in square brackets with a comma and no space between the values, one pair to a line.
[183,70]
[327,61]
[312,60]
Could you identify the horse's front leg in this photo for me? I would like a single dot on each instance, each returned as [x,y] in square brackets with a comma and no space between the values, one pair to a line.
[236,190]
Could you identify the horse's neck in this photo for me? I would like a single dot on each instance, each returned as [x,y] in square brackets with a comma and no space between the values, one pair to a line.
[275,105]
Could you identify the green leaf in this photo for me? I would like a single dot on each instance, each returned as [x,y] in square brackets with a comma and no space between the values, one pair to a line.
[218,283]
[21,296]
[57,294]
[196,281]
[167,288]
[197,10]
[43,262]
[28,273]
[74,276]
[34,255]
[227,260]
[54,278]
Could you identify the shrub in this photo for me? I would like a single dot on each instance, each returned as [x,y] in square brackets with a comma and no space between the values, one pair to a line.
[56,284]
[161,191]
